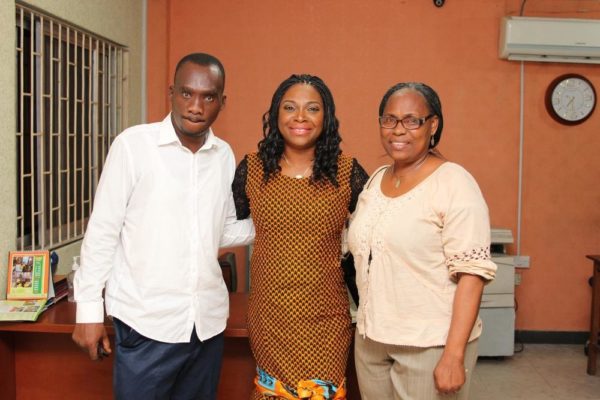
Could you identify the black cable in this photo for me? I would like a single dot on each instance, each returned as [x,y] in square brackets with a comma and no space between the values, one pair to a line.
[519,346]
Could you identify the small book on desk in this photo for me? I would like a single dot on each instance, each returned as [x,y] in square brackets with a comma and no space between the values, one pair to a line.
[29,282]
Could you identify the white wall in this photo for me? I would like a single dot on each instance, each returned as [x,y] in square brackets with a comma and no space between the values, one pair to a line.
[8,182]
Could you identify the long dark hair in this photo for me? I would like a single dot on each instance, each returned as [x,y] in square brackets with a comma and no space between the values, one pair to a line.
[270,148]
[431,99]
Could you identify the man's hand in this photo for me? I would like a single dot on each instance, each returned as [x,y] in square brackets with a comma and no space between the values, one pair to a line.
[91,338]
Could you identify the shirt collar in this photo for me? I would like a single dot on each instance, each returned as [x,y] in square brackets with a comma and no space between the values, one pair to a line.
[167,135]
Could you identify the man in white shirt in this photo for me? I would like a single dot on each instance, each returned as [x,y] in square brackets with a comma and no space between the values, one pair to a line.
[162,210]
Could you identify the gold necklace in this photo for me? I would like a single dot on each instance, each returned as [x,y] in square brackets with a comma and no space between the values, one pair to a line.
[297,176]
[397,179]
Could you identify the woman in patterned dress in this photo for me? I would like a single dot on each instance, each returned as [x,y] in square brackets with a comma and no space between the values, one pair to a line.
[299,189]
[420,237]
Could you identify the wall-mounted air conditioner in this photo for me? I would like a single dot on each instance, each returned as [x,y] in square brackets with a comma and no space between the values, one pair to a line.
[550,39]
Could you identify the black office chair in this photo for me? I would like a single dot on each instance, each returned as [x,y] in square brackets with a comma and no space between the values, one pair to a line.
[228,267]
[586,347]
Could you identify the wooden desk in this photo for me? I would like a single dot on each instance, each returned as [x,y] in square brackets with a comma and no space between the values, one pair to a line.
[595,317]
[43,362]
[38,360]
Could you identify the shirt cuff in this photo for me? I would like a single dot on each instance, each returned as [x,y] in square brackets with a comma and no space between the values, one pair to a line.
[90,312]
[483,268]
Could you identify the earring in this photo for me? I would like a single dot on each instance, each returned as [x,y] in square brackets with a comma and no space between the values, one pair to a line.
[432,140]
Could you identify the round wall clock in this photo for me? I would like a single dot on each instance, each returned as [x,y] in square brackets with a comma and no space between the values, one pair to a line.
[570,99]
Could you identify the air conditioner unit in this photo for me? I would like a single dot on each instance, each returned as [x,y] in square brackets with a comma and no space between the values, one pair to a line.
[550,39]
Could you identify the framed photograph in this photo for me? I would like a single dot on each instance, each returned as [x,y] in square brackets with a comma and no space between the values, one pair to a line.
[28,275]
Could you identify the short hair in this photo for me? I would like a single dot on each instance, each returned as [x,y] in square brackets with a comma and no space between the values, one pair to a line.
[202,59]
[327,150]
[431,99]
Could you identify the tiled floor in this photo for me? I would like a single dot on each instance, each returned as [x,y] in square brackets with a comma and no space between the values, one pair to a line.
[539,372]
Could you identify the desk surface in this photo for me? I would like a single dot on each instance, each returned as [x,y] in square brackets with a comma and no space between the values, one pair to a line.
[60,318]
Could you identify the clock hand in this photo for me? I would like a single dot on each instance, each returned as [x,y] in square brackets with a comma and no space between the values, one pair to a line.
[570,103]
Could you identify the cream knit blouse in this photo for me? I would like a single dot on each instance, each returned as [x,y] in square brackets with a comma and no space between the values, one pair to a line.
[416,244]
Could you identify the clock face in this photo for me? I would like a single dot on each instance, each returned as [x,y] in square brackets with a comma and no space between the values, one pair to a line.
[571,99]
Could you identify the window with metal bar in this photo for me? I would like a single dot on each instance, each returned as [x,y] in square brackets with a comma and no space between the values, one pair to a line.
[71,93]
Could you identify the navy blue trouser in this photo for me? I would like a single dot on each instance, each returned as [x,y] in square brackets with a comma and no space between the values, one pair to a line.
[146,369]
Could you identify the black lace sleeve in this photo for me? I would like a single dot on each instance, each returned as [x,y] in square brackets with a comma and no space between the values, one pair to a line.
[238,187]
[358,178]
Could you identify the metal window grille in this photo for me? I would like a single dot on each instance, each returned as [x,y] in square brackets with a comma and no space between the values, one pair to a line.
[71,94]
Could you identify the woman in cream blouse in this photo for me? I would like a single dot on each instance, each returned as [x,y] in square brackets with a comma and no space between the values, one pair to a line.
[420,237]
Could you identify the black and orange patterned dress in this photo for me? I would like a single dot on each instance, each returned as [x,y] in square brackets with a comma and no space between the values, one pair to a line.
[298,317]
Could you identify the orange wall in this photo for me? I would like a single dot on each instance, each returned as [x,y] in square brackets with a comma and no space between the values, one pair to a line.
[360,48]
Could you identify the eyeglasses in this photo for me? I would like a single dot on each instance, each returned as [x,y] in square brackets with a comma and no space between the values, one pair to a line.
[411,123]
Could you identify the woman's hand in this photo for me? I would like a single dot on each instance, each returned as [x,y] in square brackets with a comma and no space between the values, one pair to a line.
[449,374]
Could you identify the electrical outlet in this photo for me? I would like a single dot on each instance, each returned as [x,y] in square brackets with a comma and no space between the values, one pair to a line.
[517,279]
[521,261]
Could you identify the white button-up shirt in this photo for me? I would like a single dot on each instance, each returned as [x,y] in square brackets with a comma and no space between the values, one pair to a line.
[160,215]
